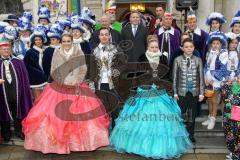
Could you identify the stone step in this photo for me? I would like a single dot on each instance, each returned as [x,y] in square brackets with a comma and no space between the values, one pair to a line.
[202,131]
[210,145]
[203,145]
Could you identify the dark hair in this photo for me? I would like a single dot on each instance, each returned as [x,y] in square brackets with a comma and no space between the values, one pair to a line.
[234,24]
[215,19]
[187,40]
[229,40]
[159,5]
[33,40]
[103,28]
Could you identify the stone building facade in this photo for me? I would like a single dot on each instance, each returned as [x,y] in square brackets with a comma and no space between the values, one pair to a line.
[226,7]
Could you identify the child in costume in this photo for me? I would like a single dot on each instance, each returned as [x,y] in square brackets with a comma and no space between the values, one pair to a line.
[150,123]
[22,44]
[233,57]
[231,117]
[34,60]
[78,34]
[235,25]
[215,73]
[215,20]
[54,35]
[188,84]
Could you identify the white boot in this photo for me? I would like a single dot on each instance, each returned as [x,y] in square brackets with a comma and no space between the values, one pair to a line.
[211,124]
[206,122]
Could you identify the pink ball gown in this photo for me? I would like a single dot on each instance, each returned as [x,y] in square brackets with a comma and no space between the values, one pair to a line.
[66,118]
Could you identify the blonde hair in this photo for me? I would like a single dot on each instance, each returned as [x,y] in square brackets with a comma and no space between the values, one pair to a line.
[152,38]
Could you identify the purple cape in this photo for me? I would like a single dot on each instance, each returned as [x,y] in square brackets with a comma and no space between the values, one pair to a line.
[24,99]
[175,41]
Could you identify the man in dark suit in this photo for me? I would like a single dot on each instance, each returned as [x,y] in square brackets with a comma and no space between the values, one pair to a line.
[135,37]
[115,36]
[156,22]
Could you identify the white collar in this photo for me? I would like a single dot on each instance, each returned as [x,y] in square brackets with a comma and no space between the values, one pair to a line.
[40,50]
[77,41]
[197,31]
[53,46]
[161,30]
[102,45]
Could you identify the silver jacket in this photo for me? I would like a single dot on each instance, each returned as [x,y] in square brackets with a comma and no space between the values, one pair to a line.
[180,76]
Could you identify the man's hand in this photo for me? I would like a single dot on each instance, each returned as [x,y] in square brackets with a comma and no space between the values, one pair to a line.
[200,98]
[1,81]
[176,97]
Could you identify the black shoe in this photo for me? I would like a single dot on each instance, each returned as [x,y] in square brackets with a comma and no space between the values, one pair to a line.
[20,135]
[6,139]
[193,139]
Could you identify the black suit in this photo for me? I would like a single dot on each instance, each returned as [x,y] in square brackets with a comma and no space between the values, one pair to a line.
[136,50]
[115,37]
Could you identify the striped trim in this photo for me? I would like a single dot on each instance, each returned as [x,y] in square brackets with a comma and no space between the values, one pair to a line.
[39,85]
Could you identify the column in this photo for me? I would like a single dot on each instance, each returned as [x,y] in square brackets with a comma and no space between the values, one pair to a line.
[230,8]
[205,7]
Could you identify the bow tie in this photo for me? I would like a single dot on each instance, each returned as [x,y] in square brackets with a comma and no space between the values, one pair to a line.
[167,29]
[5,59]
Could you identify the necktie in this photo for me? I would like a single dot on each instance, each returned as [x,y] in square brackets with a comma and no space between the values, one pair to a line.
[103,48]
[7,70]
[188,62]
[134,30]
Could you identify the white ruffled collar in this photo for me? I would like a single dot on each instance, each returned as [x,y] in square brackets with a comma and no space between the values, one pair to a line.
[161,30]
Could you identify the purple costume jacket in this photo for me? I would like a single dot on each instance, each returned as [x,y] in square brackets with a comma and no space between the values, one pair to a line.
[24,99]
[175,37]
[200,42]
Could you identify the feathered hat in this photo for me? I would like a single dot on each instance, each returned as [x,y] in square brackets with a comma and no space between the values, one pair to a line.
[235,19]
[64,23]
[28,15]
[191,16]
[39,30]
[232,36]
[10,33]
[218,36]
[216,16]
[2,26]
[86,16]
[55,31]
[44,13]
[24,24]
[76,23]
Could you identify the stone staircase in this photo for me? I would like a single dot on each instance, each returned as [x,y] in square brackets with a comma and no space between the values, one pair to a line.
[209,141]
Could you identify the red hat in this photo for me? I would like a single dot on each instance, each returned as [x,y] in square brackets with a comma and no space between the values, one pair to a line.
[4,43]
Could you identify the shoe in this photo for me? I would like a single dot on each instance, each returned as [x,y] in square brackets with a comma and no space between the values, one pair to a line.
[20,135]
[205,123]
[6,139]
[192,139]
[211,124]
[229,156]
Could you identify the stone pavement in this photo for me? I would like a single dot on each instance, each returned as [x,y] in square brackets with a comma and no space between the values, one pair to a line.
[8,152]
